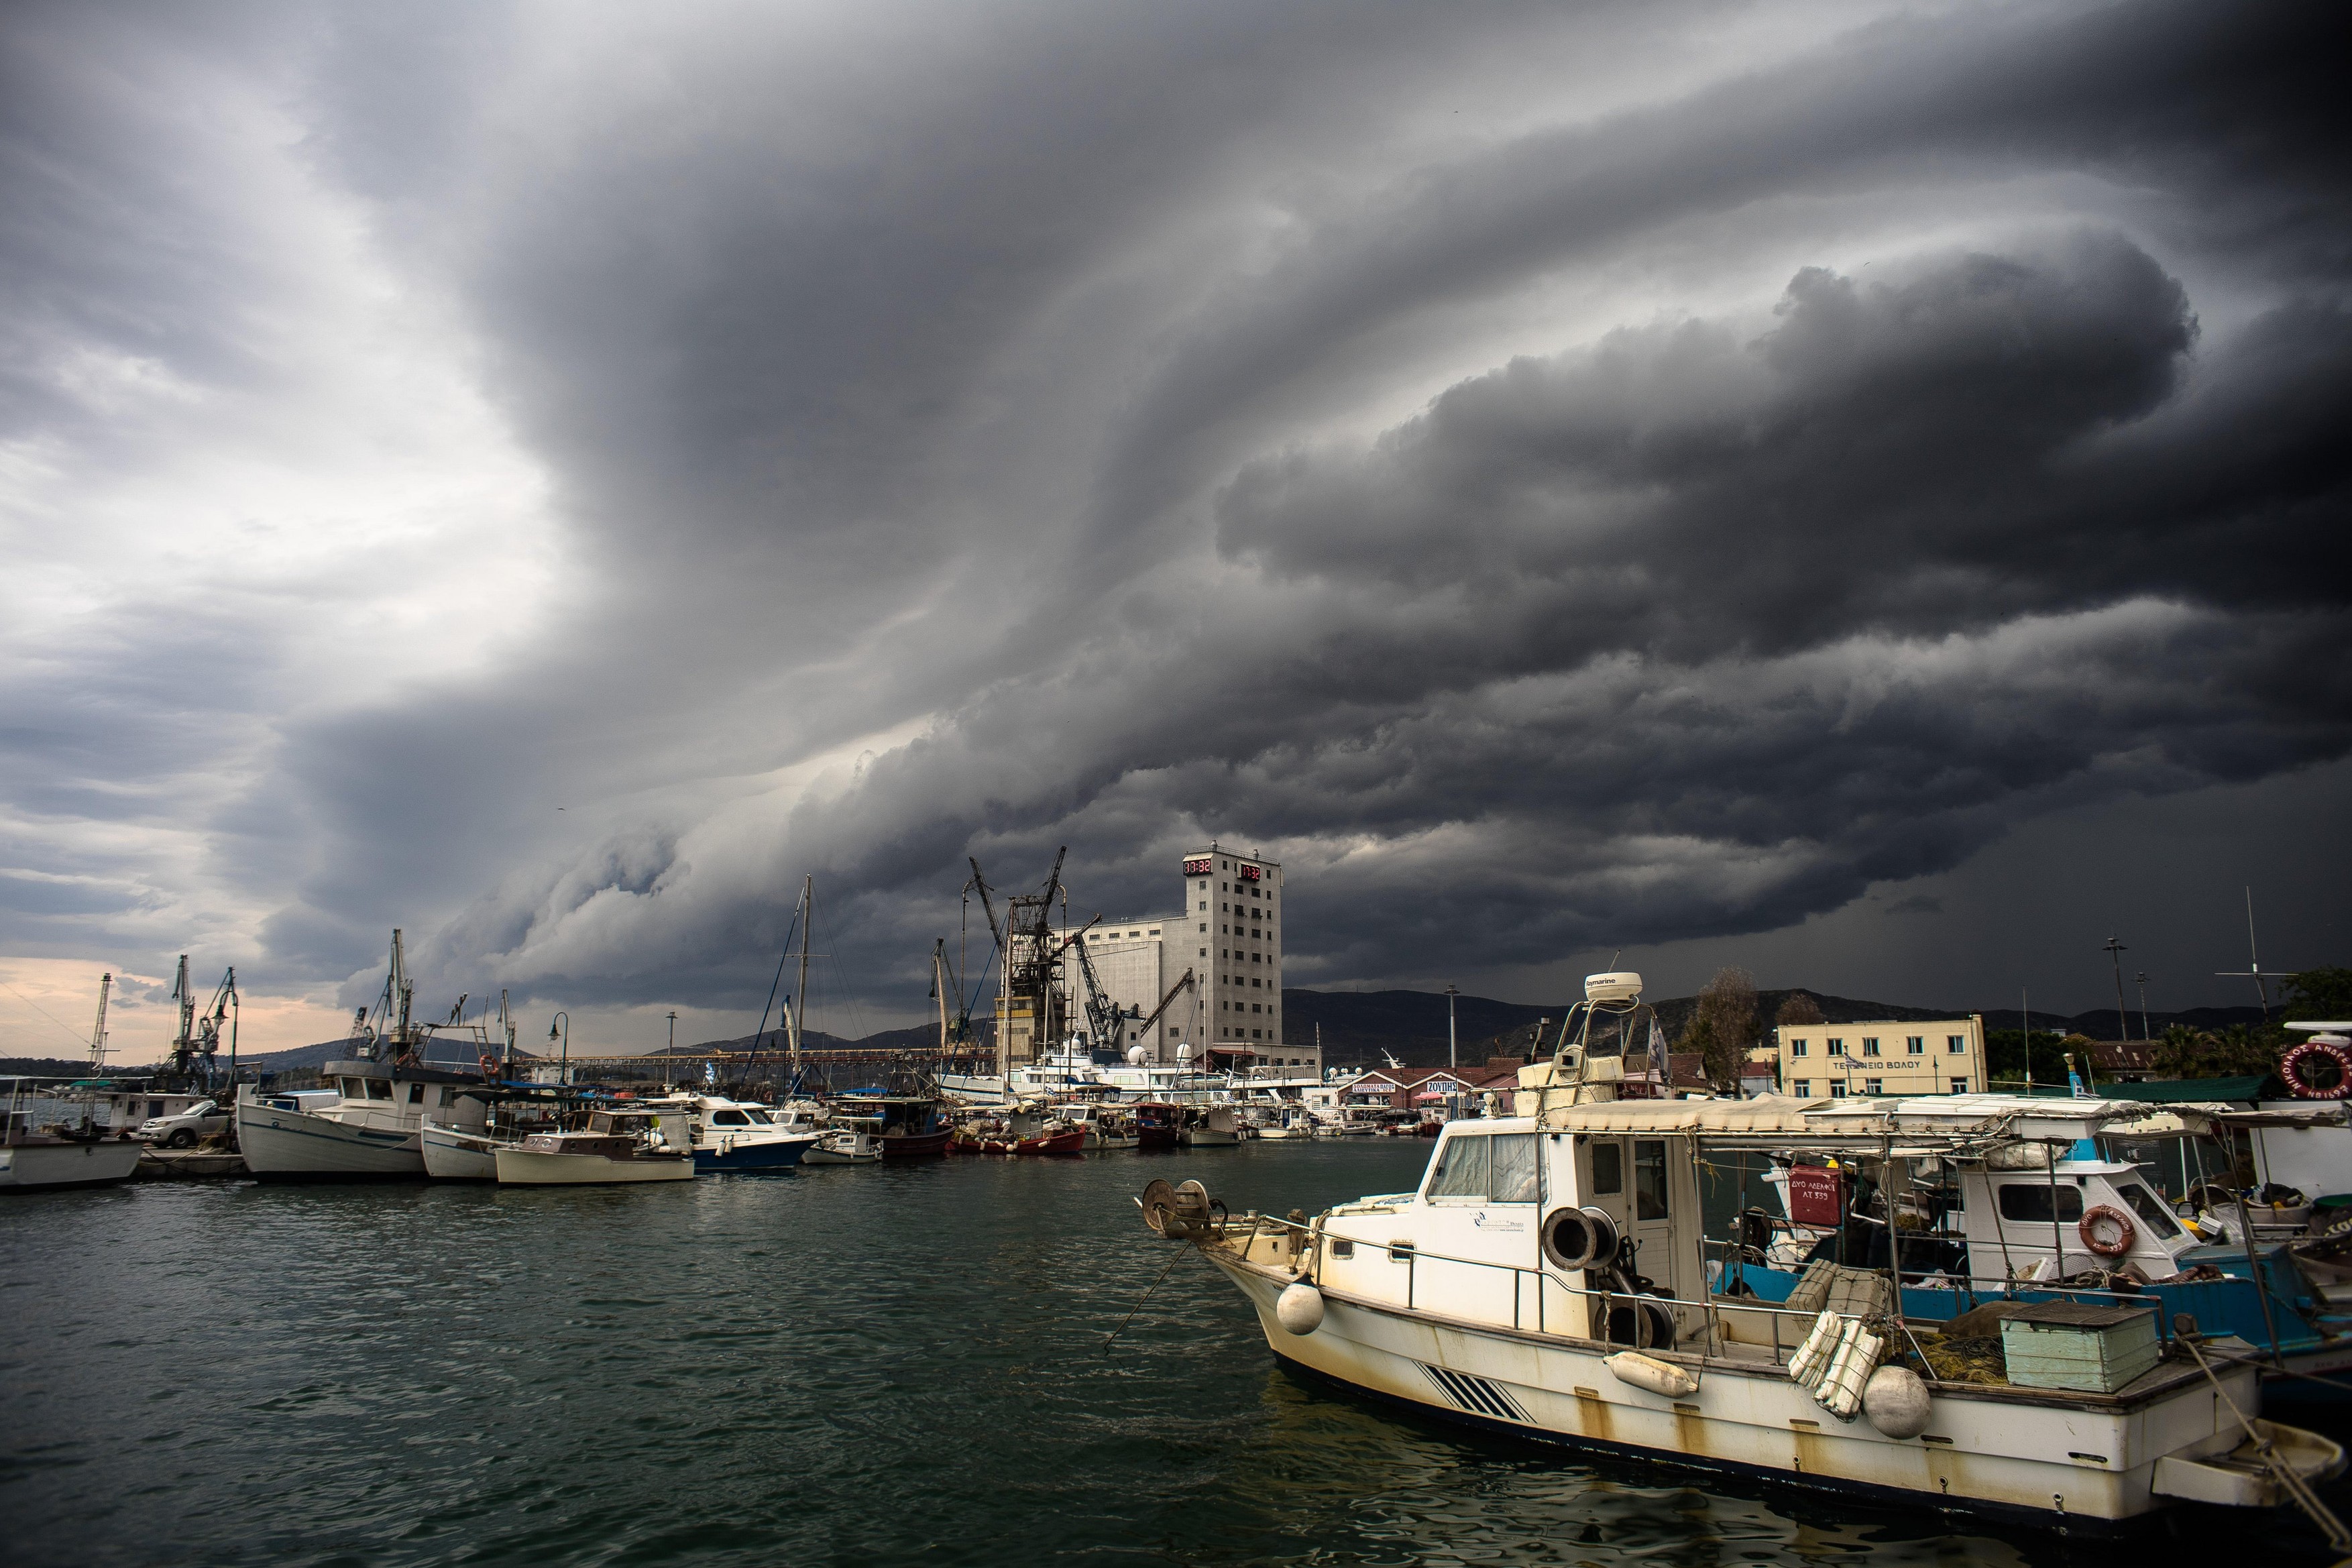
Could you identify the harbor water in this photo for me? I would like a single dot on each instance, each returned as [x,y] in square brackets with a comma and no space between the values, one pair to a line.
[853,1366]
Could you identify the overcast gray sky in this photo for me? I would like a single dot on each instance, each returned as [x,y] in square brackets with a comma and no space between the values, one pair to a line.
[1842,488]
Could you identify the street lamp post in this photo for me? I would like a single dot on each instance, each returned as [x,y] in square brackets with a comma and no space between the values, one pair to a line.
[564,1020]
[2116,950]
[2142,1006]
[1451,992]
[673,1031]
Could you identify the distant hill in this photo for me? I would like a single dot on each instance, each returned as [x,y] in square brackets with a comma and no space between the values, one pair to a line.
[1357,1026]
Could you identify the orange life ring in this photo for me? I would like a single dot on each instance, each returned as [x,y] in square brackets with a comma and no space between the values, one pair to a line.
[2297,1064]
[2119,1240]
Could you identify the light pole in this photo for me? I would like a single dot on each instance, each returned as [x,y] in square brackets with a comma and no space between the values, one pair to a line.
[673,1031]
[564,1020]
[1451,992]
[2142,1006]
[2116,950]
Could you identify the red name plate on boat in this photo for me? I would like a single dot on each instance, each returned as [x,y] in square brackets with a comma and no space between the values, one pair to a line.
[1816,1196]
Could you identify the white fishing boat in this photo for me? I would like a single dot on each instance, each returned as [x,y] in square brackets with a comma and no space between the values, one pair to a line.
[1548,1278]
[459,1155]
[383,1092]
[373,1127]
[616,1147]
[63,1152]
[1209,1127]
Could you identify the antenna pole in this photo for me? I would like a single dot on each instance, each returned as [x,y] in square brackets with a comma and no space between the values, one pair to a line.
[2116,950]
[2025,1017]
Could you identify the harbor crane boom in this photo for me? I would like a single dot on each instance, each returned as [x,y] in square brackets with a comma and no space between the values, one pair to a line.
[1102,1014]
[1184,983]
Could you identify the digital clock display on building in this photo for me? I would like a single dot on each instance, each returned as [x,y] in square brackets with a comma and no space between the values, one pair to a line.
[1196,868]
[1249,873]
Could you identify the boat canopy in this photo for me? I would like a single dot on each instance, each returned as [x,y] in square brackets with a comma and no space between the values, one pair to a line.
[1928,1125]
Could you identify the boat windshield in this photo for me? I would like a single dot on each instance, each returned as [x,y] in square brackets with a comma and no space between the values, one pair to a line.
[759,1119]
[2150,1209]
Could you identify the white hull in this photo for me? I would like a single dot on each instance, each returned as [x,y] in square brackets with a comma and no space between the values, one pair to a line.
[291,1144]
[454,1156]
[2065,1458]
[35,1167]
[976,1090]
[1202,1138]
[543,1168]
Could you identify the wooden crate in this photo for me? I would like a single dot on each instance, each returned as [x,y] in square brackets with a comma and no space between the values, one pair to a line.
[2065,1344]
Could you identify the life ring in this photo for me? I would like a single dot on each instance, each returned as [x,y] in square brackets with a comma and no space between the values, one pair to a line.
[2113,1224]
[2295,1067]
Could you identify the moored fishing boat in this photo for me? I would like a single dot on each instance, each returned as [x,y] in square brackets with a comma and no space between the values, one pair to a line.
[1209,1127]
[908,1126]
[1548,1278]
[61,1154]
[616,1147]
[1157,1124]
[370,1129]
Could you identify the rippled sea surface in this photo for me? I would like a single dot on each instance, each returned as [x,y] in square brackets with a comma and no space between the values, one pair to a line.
[860,1366]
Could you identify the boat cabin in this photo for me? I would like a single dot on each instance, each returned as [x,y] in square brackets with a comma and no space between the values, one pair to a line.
[1548,1221]
[399,1097]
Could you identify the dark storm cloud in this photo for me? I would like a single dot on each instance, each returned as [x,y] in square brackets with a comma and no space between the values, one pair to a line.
[1621,476]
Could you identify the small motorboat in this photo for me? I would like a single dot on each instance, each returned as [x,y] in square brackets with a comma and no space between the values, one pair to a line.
[615,1147]
[739,1134]
[846,1145]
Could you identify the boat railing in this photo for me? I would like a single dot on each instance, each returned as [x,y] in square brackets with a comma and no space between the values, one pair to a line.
[1784,1336]
[1975,1290]
[1782,1328]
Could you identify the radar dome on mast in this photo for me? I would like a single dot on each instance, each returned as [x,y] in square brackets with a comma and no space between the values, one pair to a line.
[1617,985]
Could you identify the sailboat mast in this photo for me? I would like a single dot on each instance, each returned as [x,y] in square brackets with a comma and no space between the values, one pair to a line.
[799,997]
[940,987]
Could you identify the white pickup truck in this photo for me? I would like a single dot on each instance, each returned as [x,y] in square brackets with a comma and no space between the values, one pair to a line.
[182,1130]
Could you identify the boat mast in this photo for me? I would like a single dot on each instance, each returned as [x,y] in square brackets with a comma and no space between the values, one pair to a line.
[403,994]
[98,1030]
[799,997]
[939,989]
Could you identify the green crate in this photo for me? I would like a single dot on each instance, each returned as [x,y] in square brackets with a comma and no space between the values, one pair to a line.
[2065,1344]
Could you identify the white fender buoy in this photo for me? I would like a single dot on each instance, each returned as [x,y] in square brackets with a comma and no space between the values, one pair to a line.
[1813,1357]
[1895,1400]
[1299,1308]
[1647,1372]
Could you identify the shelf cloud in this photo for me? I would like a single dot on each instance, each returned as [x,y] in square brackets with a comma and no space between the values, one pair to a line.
[551,477]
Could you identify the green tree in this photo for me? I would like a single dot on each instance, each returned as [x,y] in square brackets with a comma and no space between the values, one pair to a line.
[2005,1058]
[1723,1026]
[2318,996]
[2237,1051]
[1798,1011]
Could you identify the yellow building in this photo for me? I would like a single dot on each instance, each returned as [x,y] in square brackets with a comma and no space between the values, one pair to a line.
[1932,1055]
